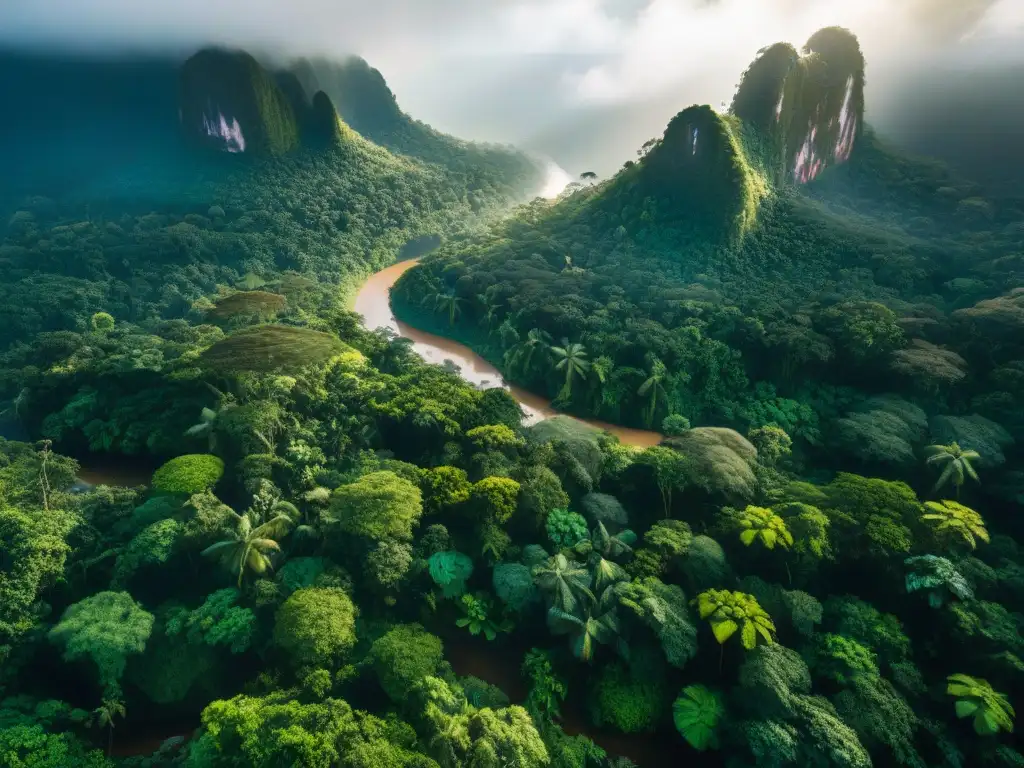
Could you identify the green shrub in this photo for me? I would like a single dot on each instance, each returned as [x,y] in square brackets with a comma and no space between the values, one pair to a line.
[403,657]
[316,626]
[189,474]
[565,529]
[626,702]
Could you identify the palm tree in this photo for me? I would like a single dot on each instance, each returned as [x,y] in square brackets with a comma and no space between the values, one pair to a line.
[450,303]
[103,717]
[957,462]
[602,368]
[607,572]
[18,405]
[611,547]
[249,547]
[572,358]
[491,315]
[654,386]
[207,418]
[305,523]
[565,580]
[597,624]
[521,356]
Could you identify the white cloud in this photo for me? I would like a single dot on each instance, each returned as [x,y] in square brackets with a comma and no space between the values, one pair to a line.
[706,45]
[498,69]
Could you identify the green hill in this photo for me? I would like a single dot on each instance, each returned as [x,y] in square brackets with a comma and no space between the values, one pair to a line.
[758,291]
[366,103]
[289,189]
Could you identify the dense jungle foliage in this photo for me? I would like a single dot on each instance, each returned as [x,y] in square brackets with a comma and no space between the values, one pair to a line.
[349,557]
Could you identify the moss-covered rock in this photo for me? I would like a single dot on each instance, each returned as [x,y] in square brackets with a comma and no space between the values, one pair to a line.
[229,102]
[702,172]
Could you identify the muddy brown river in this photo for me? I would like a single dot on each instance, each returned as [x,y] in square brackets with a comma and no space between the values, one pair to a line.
[374,304]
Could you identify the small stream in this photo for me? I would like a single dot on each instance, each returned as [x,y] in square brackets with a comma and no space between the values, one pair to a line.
[373,302]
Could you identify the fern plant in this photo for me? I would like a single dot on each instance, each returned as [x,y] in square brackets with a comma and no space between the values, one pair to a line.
[547,689]
[477,619]
[936,575]
[761,524]
[976,698]
[696,714]
[729,612]
[953,518]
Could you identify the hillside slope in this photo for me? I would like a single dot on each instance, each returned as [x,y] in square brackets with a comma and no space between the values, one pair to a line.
[178,180]
[796,269]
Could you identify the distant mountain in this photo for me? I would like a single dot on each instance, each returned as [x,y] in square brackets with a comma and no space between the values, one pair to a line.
[359,92]
[810,105]
[366,103]
[123,109]
[86,120]
[969,114]
[794,115]
[229,102]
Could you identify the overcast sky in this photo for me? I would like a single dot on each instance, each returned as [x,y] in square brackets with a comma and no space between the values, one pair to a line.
[517,70]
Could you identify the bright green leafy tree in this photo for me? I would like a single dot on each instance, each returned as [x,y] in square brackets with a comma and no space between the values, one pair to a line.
[377,506]
[763,525]
[316,626]
[670,470]
[496,497]
[188,474]
[107,628]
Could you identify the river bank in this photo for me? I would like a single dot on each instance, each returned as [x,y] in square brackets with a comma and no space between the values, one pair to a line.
[373,302]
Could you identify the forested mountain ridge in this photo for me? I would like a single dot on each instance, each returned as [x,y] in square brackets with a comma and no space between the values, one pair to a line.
[128,215]
[756,283]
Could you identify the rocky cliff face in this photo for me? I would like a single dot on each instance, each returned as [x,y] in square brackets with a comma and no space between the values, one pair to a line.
[228,101]
[359,93]
[810,104]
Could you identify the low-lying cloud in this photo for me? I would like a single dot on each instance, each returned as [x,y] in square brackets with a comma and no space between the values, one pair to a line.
[513,70]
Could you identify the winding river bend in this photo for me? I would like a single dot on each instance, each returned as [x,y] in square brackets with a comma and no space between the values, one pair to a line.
[374,304]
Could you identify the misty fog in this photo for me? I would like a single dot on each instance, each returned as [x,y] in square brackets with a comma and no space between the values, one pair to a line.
[583,81]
